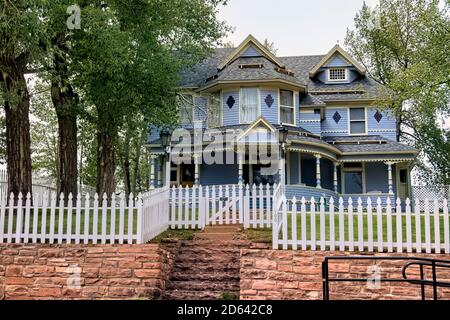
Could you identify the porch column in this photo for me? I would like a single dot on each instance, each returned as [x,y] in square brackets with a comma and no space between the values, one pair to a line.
[152,171]
[318,174]
[335,177]
[197,170]
[390,180]
[241,168]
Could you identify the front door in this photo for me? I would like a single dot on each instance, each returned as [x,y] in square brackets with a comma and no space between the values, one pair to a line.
[403,182]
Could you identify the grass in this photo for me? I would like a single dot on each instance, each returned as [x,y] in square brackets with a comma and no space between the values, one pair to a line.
[265,235]
[74,221]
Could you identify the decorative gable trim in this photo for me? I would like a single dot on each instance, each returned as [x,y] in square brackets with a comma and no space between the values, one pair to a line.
[330,55]
[250,41]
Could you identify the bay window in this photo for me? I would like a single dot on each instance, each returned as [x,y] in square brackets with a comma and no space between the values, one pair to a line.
[249,105]
[287,111]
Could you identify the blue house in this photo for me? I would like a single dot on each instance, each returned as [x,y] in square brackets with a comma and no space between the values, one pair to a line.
[334,140]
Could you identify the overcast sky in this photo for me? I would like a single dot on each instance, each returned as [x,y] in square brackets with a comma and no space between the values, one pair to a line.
[297,27]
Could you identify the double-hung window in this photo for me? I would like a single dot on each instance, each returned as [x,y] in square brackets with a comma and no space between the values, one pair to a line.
[249,105]
[287,109]
[357,121]
[186,108]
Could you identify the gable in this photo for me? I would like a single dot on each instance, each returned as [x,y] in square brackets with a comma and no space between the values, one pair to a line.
[337,55]
[250,46]
[337,60]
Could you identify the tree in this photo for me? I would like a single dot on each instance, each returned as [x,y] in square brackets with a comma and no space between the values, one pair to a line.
[270,46]
[21,38]
[128,59]
[404,45]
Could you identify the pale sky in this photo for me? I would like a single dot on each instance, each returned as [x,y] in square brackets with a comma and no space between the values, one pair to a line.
[297,27]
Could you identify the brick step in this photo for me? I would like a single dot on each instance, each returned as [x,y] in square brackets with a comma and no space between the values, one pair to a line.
[224,286]
[192,267]
[230,275]
[212,259]
[210,251]
[194,295]
[216,244]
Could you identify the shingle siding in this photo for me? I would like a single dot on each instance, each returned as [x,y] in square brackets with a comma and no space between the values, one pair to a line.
[386,128]
[270,114]
[230,116]
[329,125]
[251,52]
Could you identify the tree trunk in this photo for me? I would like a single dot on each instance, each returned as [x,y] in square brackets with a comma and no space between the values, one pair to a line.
[65,103]
[18,139]
[106,165]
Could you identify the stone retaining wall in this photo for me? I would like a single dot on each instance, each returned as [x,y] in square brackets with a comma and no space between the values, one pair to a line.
[83,272]
[269,274]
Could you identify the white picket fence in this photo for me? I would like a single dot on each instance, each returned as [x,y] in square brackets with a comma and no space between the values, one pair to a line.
[299,225]
[81,220]
[198,206]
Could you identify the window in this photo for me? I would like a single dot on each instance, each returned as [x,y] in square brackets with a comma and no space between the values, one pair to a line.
[249,105]
[353,178]
[186,108]
[337,74]
[287,107]
[214,111]
[357,121]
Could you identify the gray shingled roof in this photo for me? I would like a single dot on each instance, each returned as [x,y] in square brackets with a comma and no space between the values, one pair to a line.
[300,65]
[361,144]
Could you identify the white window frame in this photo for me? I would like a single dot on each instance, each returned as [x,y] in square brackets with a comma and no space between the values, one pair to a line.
[220,109]
[337,80]
[192,110]
[362,169]
[258,112]
[359,120]
[293,107]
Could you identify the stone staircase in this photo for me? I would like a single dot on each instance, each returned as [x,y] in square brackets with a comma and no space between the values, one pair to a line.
[206,269]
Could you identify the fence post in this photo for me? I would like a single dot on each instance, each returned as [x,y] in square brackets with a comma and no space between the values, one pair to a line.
[139,231]
[275,229]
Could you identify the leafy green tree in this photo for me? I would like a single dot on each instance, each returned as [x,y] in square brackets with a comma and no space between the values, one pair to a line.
[21,38]
[270,46]
[404,45]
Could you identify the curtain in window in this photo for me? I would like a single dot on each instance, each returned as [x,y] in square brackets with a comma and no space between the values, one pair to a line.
[249,105]
[287,106]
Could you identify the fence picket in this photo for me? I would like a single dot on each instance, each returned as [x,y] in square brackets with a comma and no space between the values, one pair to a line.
[399,225]
[294,223]
[241,203]
[360,225]
[95,220]
[446,227]
[78,220]
[180,207]
[173,208]
[285,225]
[139,230]
[61,219]
[370,225]
[254,206]
[69,218]
[194,214]
[351,234]
[313,225]
[26,232]
[130,218]
[10,219]
[186,208]
[268,215]
[220,205]
[418,226]
[234,200]
[341,225]
[121,218]
[437,229]
[4,200]
[35,231]
[214,205]
[261,206]
[322,224]
[51,233]
[87,209]
[227,204]
[104,217]
[408,226]
[19,217]
[332,217]
[303,217]
[112,232]
[380,235]
[389,225]
[207,210]
[427,226]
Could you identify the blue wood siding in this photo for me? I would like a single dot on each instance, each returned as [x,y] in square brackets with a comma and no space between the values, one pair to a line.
[270,114]
[230,116]
[338,61]
[201,104]
[376,177]
[251,52]
[310,122]
[387,127]
[330,127]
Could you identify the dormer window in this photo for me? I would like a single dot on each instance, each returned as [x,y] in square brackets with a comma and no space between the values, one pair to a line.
[337,74]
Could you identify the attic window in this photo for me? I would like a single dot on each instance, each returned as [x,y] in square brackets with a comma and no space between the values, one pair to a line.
[284,71]
[337,74]
[251,66]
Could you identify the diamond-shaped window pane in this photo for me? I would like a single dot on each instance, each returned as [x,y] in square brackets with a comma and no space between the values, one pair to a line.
[378,116]
[231,102]
[337,117]
[269,100]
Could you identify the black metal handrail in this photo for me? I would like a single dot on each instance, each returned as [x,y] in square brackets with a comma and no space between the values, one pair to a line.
[422,263]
